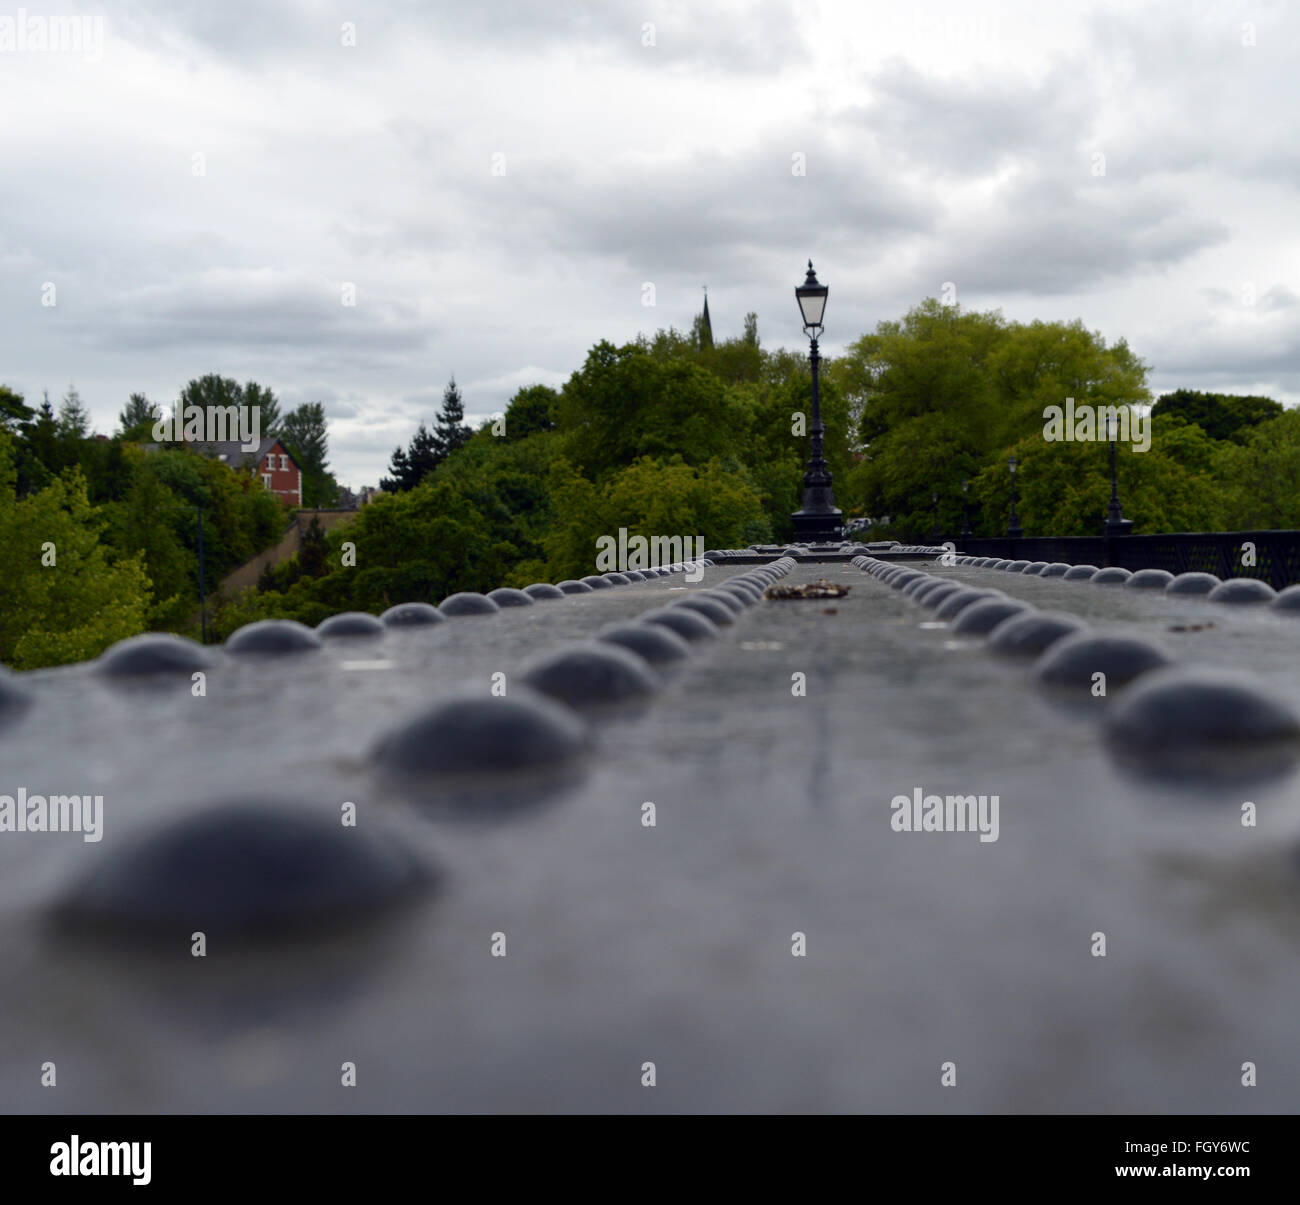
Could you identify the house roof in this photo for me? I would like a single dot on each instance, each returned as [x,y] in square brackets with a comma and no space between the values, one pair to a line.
[232,452]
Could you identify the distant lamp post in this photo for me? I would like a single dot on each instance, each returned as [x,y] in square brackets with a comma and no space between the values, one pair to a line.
[965,509]
[1115,524]
[818,520]
[934,517]
[1014,530]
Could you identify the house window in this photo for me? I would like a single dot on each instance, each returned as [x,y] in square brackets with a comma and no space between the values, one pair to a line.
[284,461]
[266,480]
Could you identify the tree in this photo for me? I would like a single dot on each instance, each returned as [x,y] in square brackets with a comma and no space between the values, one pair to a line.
[313,551]
[304,434]
[74,419]
[42,457]
[449,430]
[213,389]
[410,467]
[267,405]
[138,417]
[531,411]
[946,392]
[151,515]
[14,412]
[628,402]
[651,498]
[1219,415]
[1063,487]
[1261,477]
[61,598]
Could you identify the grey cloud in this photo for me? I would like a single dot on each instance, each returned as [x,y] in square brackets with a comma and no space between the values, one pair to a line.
[670,217]
[251,32]
[974,125]
[1049,236]
[757,36]
[226,309]
[1214,356]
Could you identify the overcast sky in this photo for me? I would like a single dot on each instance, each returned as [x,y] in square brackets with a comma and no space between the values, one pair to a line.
[498,180]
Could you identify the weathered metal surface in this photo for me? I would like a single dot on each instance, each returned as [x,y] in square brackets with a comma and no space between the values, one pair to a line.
[672,944]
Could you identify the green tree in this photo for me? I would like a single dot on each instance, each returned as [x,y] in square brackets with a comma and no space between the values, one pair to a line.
[946,393]
[14,412]
[138,416]
[449,431]
[1063,487]
[1219,415]
[626,403]
[74,419]
[651,498]
[212,389]
[410,466]
[267,405]
[1260,478]
[43,455]
[313,551]
[305,435]
[149,520]
[61,598]
[530,411]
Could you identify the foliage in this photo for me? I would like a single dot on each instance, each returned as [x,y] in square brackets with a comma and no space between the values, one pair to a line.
[212,389]
[668,435]
[304,433]
[410,467]
[138,416]
[1261,477]
[1219,415]
[63,598]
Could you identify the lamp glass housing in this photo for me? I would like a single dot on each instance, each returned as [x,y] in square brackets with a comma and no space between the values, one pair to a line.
[811,296]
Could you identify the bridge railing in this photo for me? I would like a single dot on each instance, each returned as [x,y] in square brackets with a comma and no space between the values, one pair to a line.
[1273,556]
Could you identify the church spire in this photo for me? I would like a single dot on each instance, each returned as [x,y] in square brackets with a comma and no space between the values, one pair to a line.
[706,327]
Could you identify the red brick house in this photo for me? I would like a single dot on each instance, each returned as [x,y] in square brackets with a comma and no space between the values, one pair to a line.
[274,465]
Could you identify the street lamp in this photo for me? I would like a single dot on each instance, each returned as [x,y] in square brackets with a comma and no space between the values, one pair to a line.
[934,517]
[818,520]
[1014,530]
[965,509]
[1115,524]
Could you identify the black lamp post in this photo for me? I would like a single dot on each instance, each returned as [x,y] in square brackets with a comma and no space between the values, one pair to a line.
[934,517]
[1014,530]
[1115,524]
[965,509]
[818,520]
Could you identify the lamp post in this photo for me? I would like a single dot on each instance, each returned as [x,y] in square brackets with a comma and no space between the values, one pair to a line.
[818,520]
[965,509]
[1014,530]
[934,517]
[203,600]
[1115,524]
